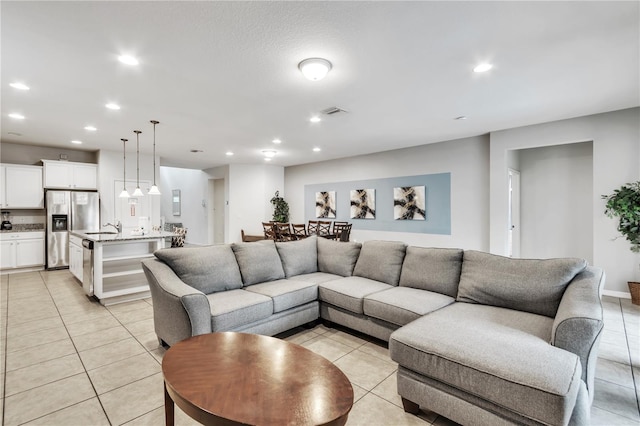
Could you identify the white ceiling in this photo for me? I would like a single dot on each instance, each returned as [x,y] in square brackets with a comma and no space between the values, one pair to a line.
[223,75]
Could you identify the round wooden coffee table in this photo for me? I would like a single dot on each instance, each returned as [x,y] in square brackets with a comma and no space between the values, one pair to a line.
[238,378]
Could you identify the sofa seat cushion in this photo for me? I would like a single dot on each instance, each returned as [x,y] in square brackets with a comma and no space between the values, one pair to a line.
[529,285]
[381,261]
[497,354]
[299,257]
[316,277]
[349,293]
[401,305]
[286,294]
[208,269]
[235,308]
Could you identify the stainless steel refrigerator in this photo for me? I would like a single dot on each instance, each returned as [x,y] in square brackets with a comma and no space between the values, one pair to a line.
[68,211]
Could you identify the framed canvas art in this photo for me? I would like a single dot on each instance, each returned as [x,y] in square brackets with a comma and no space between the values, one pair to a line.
[326,204]
[408,203]
[363,204]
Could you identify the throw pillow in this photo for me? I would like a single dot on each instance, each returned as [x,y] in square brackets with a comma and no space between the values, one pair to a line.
[338,258]
[528,285]
[208,269]
[381,261]
[259,262]
[299,257]
[432,269]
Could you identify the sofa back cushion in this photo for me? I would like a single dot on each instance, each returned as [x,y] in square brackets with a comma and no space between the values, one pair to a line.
[433,269]
[208,269]
[528,285]
[381,261]
[259,262]
[338,258]
[299,257]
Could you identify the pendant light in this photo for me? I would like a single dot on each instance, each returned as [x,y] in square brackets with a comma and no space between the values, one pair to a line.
[124,193]
[138,191]
[154,188]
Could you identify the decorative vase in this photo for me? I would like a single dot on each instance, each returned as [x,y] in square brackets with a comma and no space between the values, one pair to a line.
[634,289]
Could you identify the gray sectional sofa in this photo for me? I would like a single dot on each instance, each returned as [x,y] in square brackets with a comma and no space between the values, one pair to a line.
[479,338]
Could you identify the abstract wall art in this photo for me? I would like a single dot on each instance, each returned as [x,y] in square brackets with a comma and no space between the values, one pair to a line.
[408,203]
[326,204]
[363,204]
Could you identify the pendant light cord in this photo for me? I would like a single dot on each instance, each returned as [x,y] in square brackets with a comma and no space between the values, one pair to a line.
[137,132]
[154,122]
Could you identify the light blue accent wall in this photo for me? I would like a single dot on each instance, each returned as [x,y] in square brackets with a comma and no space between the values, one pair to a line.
[437,203]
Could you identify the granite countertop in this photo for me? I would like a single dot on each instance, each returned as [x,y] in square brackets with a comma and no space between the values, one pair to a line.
[124,236]
[25,227]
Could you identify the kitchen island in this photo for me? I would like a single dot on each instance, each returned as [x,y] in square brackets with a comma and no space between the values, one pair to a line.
[111,263]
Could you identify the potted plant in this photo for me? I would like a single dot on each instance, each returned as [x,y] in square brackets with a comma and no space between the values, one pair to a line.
[624,203]
[280,209]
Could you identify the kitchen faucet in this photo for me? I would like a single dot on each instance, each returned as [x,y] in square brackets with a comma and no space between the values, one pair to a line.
[118,226]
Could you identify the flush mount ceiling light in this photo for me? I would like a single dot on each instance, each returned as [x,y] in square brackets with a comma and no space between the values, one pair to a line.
[269,153]
[483,67]
[76,142]
[267,159]
[112,106]
[90,128]
[315,69]
[316,149]
[315,119]
[19,86]
[128,60]
[229,153]
[277,141]
[16,116]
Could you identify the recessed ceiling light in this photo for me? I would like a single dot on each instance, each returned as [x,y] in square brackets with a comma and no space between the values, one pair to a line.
[462,117]
[483,67]
[19,86]
[315,119]
[316,149]
[128,60]
[315,68]
[277,141]
[267,159]
[90,128]
[113,106]
[229,153]
[269,153]
[76,142]
[16,116]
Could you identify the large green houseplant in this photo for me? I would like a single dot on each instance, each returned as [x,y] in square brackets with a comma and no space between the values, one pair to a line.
[280,208]
[624,203]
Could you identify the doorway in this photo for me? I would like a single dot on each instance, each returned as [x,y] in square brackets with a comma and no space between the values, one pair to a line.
[217,212]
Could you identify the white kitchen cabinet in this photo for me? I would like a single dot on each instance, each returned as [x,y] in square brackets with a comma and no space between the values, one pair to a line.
[21,187]
[69,175]
[21,249]
[75,256]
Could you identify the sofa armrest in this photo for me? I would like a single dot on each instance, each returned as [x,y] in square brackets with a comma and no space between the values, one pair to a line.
[179,310]
[578,324]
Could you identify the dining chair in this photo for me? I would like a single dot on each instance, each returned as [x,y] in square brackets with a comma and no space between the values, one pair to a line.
[283,231]
[269,230]
[312,228]
[324,227]
[338,229]
[299,230]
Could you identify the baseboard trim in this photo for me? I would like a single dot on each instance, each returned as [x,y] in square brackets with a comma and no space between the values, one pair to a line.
[619,294]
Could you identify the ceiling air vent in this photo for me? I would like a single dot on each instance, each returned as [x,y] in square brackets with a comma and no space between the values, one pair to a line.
[332,110]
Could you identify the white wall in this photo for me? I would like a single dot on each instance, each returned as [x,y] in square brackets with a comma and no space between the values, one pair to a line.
[250,189]
[466,159]
[193,191]
[556,201]
[616,160]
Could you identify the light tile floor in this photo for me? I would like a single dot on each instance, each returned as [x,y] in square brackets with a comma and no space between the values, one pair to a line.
[66,360]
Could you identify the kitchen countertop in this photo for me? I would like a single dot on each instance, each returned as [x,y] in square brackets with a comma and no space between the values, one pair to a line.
[25,227]
[124,236]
